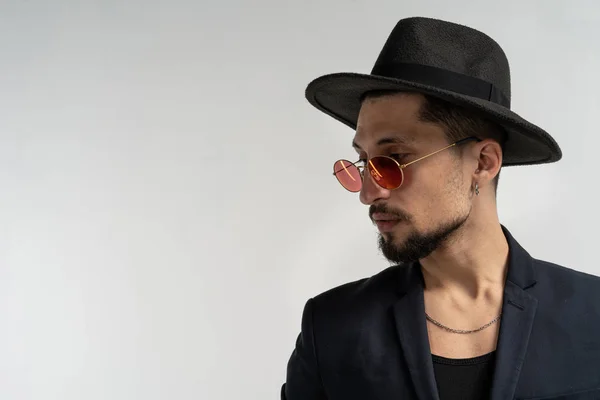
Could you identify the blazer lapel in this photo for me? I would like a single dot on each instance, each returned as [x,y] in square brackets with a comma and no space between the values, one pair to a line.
[518,313]
[409,313]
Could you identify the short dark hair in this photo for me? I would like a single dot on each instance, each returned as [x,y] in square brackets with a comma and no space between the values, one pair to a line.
[458,122]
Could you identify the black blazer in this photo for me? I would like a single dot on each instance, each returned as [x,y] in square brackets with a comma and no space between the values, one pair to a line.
[368,339]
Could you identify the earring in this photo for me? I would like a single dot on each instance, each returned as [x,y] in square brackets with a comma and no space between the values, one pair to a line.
[476,189]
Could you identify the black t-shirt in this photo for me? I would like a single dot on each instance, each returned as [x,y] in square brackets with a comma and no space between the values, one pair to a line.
[464,379]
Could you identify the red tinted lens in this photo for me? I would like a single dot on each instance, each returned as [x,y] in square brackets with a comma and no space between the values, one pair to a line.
[386,172]
[348,175]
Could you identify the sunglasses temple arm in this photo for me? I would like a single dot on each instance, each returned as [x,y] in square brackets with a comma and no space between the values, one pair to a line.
[440,150]
[428,155]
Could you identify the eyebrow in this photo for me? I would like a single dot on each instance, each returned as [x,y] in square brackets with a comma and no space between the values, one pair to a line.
[384,141]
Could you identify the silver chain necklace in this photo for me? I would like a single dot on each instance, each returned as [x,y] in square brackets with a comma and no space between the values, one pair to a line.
[433,321]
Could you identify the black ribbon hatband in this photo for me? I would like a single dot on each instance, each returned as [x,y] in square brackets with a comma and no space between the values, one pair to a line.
[443,79]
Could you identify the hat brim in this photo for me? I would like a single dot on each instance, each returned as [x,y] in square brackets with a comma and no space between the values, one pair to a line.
[338,95]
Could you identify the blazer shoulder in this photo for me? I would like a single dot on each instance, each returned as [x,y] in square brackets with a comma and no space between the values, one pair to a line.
[556,271]
[567,282]
[362,291]
[349,306]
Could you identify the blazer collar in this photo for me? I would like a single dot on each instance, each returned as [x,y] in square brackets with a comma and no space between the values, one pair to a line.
[518,312]
[521,271]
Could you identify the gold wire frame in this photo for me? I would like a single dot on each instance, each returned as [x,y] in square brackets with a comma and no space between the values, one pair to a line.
[360,168]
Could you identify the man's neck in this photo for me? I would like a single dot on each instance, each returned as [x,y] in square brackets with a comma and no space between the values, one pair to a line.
[473,262]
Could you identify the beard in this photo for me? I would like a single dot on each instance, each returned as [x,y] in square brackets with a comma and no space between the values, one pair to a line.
[418,245]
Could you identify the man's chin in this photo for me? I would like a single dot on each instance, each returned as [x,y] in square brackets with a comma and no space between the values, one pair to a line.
[395,248]
[406,245]
[397,235]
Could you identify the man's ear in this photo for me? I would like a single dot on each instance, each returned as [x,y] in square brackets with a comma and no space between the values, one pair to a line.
[489,161]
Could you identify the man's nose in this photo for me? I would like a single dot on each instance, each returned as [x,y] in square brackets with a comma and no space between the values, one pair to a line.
[370,191]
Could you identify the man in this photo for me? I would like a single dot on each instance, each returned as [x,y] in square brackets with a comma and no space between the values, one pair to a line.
[466,312]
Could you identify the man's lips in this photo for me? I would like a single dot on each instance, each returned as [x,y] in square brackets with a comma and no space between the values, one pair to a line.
[386,226]
[385,222]
[384,217]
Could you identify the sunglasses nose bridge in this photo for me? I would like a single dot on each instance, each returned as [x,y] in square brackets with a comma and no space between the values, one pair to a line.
[361,170]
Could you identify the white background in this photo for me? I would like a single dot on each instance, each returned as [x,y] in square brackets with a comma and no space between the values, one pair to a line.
[166,199]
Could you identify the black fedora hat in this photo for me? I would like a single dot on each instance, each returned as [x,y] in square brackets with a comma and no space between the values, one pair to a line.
[448,61]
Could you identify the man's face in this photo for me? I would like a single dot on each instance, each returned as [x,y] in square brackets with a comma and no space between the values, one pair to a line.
[434,200]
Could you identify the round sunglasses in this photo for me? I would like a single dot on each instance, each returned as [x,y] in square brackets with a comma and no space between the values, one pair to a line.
[385,171]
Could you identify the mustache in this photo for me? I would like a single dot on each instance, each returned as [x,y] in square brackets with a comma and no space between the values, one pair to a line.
[382,208]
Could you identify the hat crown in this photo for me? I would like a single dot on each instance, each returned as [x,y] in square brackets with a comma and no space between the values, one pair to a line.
[447,46]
